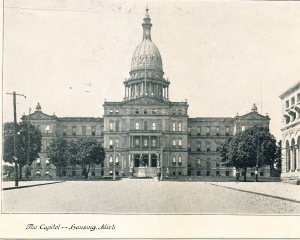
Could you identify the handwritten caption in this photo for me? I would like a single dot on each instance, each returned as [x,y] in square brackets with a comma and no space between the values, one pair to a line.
[73,227]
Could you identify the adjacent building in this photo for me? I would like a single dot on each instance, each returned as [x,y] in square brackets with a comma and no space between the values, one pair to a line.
[290,109]
[146,133]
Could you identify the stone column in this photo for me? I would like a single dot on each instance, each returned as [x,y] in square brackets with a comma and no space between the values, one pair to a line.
[291,159]
[167,92]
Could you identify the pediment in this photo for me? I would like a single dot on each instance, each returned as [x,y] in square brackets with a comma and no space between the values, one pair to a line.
[253,116]
[41,116]
[145,101]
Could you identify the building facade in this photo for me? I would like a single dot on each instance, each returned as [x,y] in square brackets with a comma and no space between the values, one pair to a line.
[290,109]
[146,134]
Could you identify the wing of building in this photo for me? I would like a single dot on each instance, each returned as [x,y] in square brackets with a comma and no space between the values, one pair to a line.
[146,133]
[290,109]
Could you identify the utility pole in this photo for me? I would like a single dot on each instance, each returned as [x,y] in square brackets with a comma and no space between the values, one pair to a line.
[28,146]
[15,135]
[114,169]
[257,158]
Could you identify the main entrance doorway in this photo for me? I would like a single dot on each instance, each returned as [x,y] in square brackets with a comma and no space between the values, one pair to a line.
[145,165]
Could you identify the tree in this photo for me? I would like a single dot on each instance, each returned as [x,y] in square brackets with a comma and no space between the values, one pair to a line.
[57,153]
[85,152]
[253,147]
[22,144]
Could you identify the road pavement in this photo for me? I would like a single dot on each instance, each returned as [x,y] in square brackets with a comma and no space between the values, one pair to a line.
[148,196]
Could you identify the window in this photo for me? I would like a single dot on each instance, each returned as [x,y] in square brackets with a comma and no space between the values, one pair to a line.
[174,161]
[145,126]
[83,130]
[145,111]
[218,131]
[47,162]
[293,101]
[173,126]
[287,104]
[217,148]
[179,161]
[111,143]
[243,128]
[137,111]
[189,130]
[93,130]
[198,173]
[137,142]
[154,111]
[180,143]
[179,127]
[145,142]
[227,131]
[111,111]
[199,146]
[189,147]
[208,164]
[217,173]
[199,163]
[154,126]
[208,147]
[174,142]
[64,130]
[227,173]
[117,126]
[117,160]
[217,164]
[207,131]
[179,172]
[261,173]
[47,129]
[179,112]
[137,125]
[111,126]
[198,130]
[110,159]
[38,162]
[173,111]
[117,111]
[207,173]
[117,142]
[153,142]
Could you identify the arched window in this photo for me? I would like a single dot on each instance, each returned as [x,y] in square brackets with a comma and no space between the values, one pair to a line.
[174,160]
[180,127]
[111,126]
[179,161]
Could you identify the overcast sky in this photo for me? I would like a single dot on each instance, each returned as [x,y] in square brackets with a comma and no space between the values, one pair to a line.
[70,55]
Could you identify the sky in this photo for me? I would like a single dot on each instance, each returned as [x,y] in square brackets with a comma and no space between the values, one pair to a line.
[222,56]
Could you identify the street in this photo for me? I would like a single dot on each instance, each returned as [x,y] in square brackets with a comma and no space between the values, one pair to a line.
[148,196]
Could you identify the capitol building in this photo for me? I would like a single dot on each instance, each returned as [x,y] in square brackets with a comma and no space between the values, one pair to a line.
[146,133]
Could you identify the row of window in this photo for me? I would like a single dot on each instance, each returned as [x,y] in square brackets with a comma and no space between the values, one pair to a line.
[207,130]
[74,130]
[292,101]
[207,148]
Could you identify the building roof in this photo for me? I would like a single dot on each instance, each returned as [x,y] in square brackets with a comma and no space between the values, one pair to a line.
[290,90]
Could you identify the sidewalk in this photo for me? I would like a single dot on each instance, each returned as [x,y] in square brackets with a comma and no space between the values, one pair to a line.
[274,189]
[23,184]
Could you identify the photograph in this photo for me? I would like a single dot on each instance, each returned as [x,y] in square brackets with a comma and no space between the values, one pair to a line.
[128,116]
